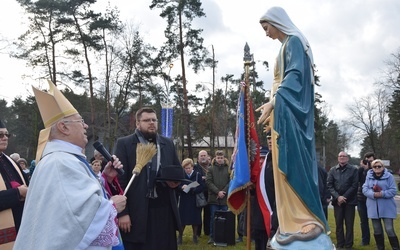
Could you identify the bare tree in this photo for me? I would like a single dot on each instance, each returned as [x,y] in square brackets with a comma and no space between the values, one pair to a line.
[391,73]
[368,117]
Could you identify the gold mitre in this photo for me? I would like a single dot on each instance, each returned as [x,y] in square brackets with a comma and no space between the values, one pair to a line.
[53,106]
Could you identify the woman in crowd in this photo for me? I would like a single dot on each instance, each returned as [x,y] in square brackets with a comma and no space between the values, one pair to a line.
[380,189]
[189,212]
[24,165]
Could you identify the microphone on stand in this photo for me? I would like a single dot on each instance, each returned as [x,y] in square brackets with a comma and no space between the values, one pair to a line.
[103,151]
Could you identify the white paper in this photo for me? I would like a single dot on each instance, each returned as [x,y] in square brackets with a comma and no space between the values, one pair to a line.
[191,185]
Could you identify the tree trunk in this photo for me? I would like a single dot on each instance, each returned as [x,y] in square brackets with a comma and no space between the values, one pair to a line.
[107,94]
[92,119]
[185,98]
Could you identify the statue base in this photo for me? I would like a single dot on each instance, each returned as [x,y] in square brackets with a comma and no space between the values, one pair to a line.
[322,242]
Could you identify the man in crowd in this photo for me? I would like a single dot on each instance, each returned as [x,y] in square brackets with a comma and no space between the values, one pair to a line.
[342,184]
[202,166]
[264,203]
[217,181]
[151,217]
[66,206]
[324,193]
[365,165]
[13,189]
[15,156]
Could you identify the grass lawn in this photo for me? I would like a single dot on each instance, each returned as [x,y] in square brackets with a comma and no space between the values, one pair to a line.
[188,244]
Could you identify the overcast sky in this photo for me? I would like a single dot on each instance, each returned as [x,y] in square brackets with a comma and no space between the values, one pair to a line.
[350,41]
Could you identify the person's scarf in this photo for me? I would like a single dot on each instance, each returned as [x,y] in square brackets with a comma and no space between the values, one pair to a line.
[377,177]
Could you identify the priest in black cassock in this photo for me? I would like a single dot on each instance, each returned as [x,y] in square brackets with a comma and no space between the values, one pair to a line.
[13,189]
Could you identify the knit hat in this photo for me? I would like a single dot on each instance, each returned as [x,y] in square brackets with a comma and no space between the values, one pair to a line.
[22,160]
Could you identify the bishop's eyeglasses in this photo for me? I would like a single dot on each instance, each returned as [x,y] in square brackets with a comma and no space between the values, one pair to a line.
[79,120]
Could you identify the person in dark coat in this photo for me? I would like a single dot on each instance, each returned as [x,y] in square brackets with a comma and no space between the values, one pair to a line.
[342,183]
[151,217]
[365,165]
[259,233]
[13,189]
[202,166]
[264,183]
[324,193]
[189,212]
[217,181]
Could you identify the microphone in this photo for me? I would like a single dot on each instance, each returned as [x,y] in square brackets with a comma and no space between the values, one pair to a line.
[103,151]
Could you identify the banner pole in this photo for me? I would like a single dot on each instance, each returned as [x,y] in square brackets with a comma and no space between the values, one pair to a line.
[248,222]
[247,62]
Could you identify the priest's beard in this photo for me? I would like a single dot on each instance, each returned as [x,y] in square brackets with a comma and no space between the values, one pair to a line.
[150,136]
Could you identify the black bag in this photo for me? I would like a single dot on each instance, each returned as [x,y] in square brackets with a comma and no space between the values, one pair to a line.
[200,198]
[224,228]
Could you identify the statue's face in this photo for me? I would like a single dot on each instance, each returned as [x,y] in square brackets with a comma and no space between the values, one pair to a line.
[270,30]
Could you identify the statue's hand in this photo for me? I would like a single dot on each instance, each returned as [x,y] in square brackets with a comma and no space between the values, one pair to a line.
[265,113]
[267,128]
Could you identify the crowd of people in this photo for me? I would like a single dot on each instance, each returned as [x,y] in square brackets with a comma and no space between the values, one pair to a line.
[93,205]
[369,187]
[372,189]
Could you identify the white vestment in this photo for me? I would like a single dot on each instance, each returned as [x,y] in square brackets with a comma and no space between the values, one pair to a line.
[65,207]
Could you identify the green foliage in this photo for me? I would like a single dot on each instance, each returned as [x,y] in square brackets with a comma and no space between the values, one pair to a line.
[394,114]
[22,123]
[5,111]
[179,31]
[333,143]
[181,39]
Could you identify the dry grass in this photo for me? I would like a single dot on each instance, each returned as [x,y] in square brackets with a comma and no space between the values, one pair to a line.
[188,244]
